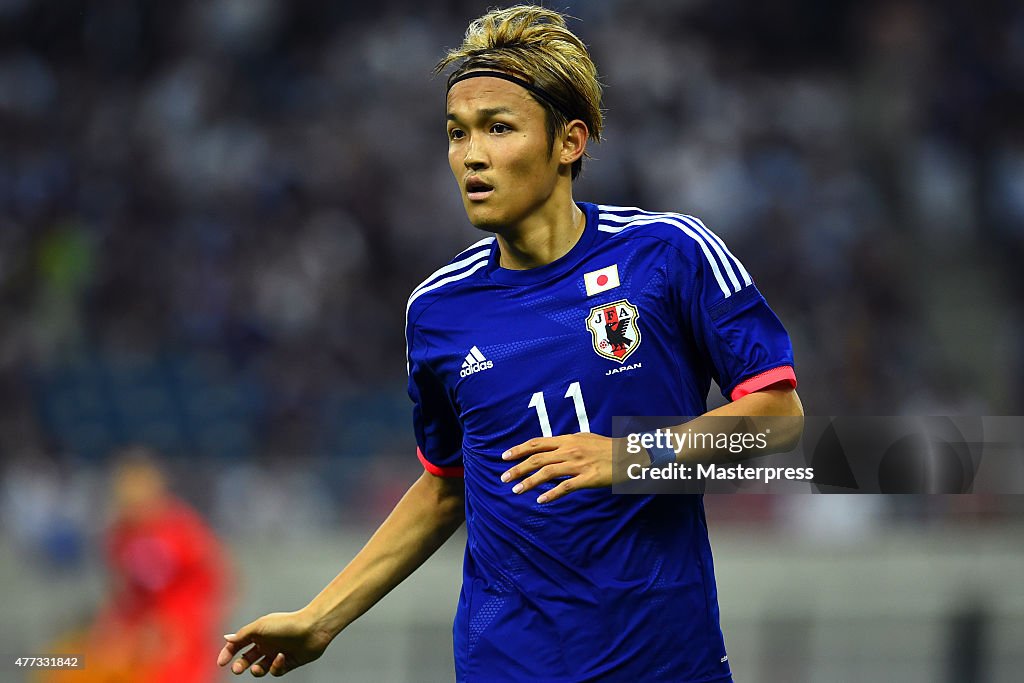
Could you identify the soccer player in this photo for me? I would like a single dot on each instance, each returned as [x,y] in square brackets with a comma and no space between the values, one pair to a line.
[169,578]
[520,352]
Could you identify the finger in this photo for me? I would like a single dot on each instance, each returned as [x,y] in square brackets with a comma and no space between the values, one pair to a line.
[567,486]
[546,473]
[532,463]
[279,666]
[261,667]
[543,443]
[251,655]
[231,648]
[225,654]
[236,642]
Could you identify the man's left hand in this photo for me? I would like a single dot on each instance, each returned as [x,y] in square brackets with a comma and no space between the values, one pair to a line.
[586,459]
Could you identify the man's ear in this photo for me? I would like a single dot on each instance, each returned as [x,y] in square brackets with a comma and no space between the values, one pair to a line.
[574,142]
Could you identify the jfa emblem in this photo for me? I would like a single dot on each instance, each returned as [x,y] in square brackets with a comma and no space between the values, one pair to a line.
[614,329]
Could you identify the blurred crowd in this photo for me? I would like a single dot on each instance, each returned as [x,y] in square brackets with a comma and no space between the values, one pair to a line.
[212,213]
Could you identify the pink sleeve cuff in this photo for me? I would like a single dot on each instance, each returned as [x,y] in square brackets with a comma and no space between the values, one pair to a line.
[438,471]
[764,380]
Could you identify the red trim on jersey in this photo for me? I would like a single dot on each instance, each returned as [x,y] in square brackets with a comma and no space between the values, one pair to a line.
[764,380]
[438,471]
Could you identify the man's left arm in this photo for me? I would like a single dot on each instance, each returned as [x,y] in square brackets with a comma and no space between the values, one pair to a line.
[754,413]
[586,459]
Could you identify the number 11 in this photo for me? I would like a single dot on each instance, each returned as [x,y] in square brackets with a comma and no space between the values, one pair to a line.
[576,394]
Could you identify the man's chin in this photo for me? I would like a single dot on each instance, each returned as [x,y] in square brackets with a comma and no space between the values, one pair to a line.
[483,219]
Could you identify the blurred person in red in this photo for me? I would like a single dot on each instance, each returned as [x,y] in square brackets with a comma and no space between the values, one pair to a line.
[168,591]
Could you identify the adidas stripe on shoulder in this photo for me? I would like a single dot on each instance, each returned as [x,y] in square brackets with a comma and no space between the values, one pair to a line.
[729,273]
[467,262]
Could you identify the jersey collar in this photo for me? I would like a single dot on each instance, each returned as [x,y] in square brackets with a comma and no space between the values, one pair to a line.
[551,270]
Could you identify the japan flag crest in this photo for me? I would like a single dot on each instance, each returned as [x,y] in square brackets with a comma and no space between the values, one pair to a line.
[614,330]
[601,280]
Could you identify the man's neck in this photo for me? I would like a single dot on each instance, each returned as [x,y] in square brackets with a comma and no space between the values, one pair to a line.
[541,239]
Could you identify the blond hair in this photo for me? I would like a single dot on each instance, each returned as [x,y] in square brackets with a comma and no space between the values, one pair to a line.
[533,43]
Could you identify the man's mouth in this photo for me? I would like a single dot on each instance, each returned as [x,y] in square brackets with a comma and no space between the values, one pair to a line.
[477,190]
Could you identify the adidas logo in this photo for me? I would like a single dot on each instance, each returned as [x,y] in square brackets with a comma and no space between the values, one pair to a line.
[475,362]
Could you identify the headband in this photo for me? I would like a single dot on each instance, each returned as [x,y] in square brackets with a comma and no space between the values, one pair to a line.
[538,92]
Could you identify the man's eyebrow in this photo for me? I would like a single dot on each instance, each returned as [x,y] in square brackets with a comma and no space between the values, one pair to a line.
[485,113]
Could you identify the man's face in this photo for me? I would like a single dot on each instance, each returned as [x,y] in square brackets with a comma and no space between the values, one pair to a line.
[138,490]
[499,151]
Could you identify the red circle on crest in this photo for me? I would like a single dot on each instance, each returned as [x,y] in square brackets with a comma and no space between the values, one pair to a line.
[602,280]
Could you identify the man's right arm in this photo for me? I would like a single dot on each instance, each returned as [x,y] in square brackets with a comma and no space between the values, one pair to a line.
[426,516]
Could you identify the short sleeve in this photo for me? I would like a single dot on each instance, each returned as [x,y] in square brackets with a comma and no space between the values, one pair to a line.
[438,432]
[745,342]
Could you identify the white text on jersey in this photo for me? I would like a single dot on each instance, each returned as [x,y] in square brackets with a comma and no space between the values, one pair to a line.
[475,362]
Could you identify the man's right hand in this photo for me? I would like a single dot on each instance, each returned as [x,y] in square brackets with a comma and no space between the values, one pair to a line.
[280,642]
[428,514]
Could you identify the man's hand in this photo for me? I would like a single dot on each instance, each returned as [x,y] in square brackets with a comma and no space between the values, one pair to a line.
[280,642]
[585,458]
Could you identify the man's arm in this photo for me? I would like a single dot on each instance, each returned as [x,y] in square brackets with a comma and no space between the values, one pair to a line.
[753,413]
[426,516]
[586,459]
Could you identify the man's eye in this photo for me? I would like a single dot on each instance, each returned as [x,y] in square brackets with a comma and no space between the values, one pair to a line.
[500,128]
[455,134]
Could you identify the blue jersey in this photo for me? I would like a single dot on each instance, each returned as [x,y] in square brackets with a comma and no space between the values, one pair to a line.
[637,319]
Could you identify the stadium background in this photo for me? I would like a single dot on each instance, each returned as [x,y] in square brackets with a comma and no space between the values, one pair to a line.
[212,213]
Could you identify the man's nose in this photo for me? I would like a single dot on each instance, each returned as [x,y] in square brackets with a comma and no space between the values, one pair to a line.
[475,158]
